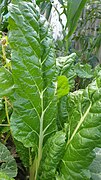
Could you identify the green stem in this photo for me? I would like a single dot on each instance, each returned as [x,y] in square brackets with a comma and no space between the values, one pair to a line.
[6,110]
[7,115]
[6,138]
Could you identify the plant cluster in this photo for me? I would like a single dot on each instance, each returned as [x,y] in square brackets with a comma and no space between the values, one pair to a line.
[51,120]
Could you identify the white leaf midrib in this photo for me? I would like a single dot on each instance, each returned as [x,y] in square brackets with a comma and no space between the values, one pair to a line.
[79,124]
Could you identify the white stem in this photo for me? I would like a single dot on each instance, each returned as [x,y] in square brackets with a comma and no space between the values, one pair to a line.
[41,136]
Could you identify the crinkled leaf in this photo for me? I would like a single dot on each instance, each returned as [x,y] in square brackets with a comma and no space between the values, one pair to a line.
[3,176]
[52,154]
[65,66]
[6,82]
[62,113]
[95,167]
[64,63]
[62,86]
[33,69]
[74,10]
[7,162]
[84,116]
[84,71]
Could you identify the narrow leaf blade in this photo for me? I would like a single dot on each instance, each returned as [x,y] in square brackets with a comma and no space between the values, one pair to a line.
[74,10]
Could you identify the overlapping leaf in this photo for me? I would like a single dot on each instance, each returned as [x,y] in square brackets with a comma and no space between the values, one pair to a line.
[84,71]
[84,116]
[66,66]
[52,154]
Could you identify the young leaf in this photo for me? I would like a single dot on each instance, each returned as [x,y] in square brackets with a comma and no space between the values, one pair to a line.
[62,86]
[7,162]
[84,116]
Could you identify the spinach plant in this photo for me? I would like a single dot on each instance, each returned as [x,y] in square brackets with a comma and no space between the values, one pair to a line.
[34,88]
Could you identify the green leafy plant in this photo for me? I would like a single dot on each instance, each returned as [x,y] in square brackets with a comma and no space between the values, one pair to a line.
[56,148]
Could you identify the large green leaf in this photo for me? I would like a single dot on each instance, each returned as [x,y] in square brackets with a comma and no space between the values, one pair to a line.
[7,162]
[84,117]
[33,68]
[52,154]
[74,10]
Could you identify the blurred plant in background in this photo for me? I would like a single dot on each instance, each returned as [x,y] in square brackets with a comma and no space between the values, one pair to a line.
[86,41]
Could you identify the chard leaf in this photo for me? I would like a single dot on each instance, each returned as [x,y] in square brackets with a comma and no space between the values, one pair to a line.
[62,112]
[7,162]
[84,116]
[6,82]
[33,69]
[84,71]
[63,86]
[65,66]
[52,154]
